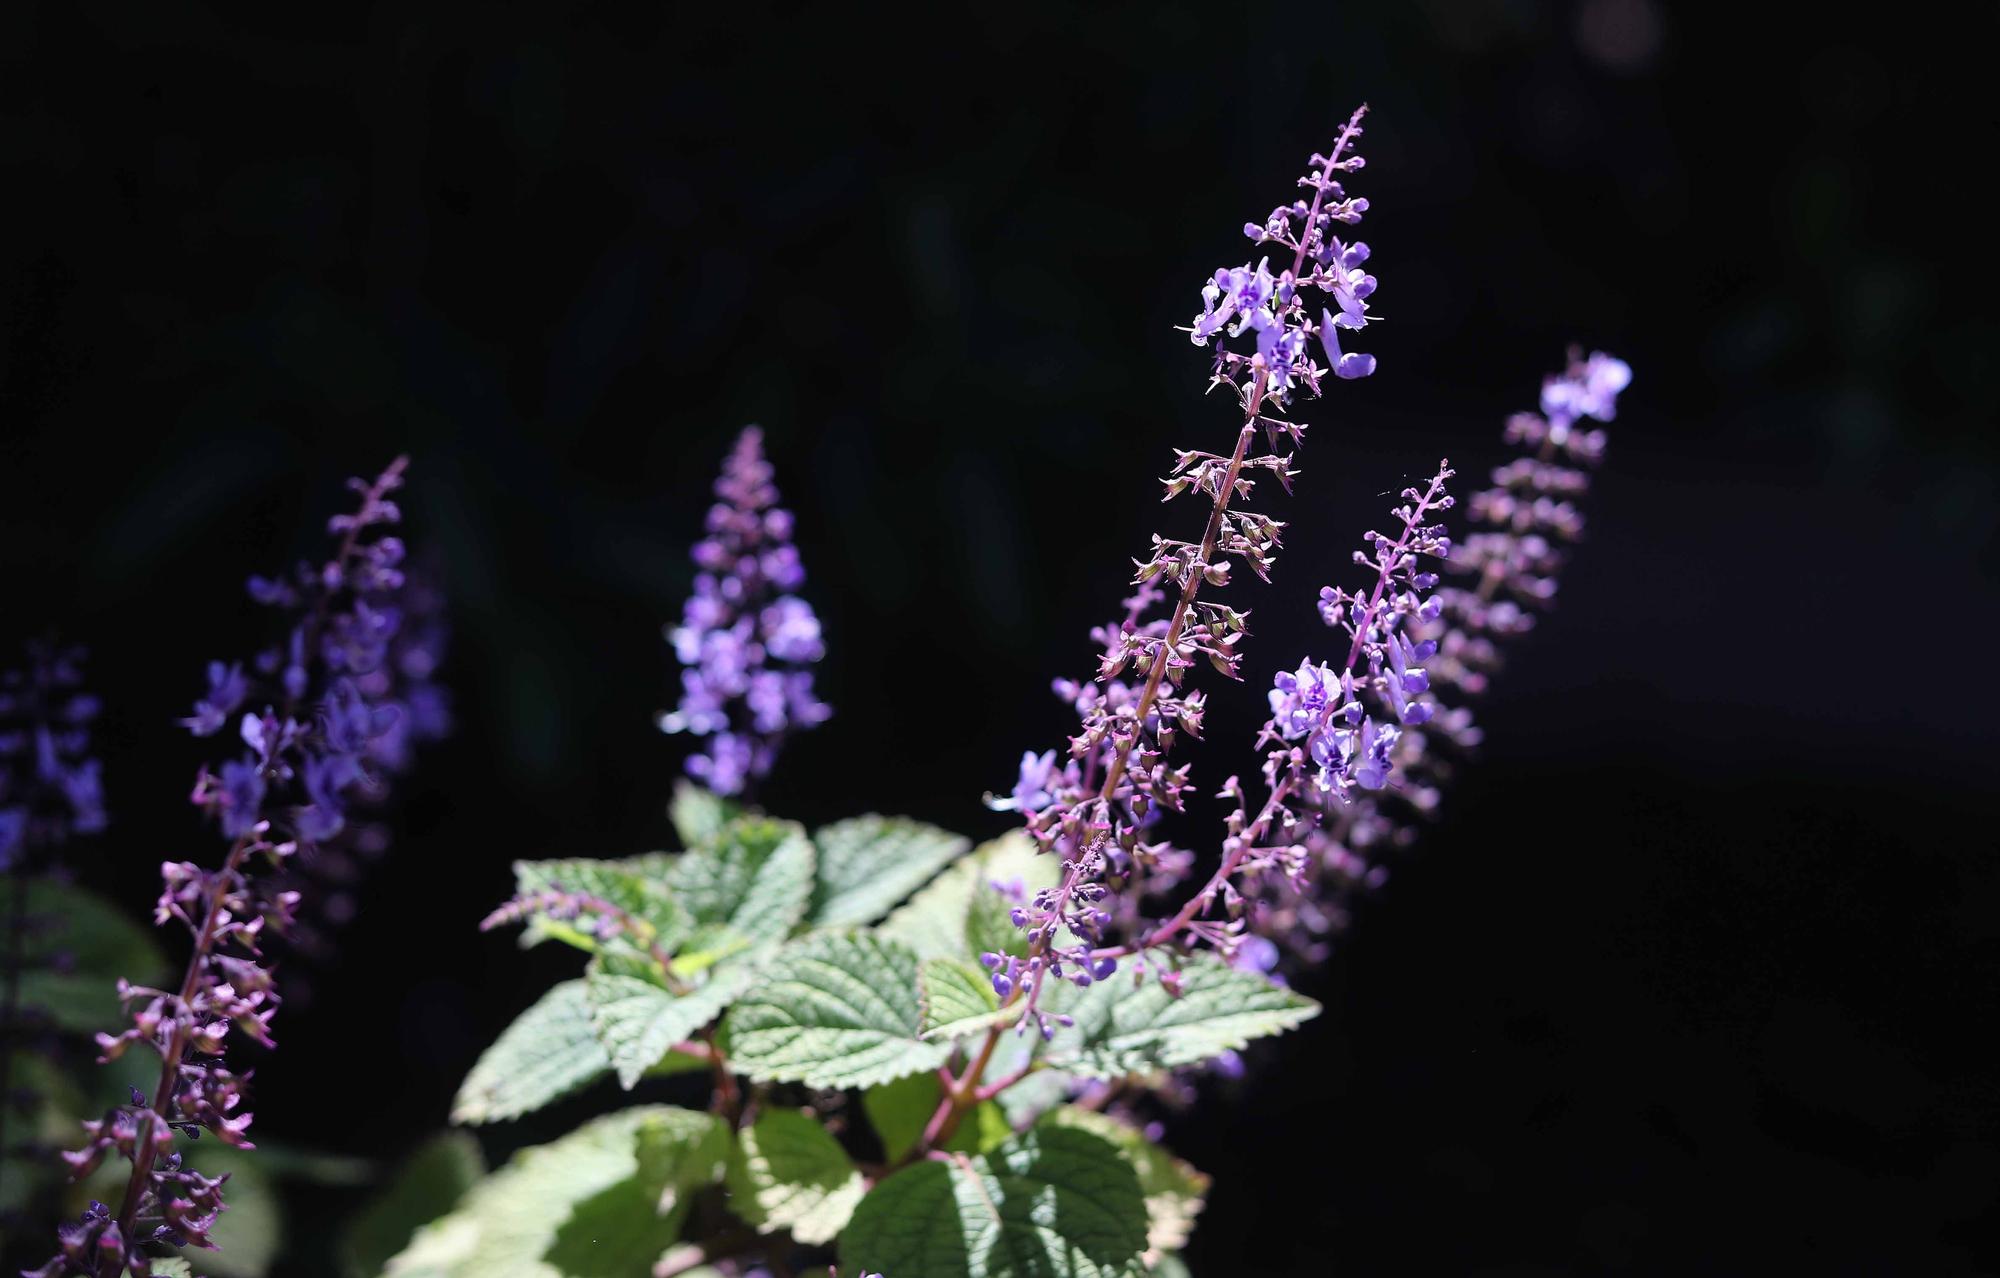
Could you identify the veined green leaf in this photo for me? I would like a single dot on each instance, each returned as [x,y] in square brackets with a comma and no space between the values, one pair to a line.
[870,863]
[959,1000]
[754,877]
[963,914]
[1174,1190]
[600,1202]
[638,1020]
[547,1053]
[1053,1202]
[789,1173]
[633,885]
[1121,1030]
[833,1009]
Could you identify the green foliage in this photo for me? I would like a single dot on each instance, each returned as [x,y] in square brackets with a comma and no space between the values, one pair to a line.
[959,1000]
[632,885]
[602,1201]
[833,1009]
[1174,1191]
[698,813]
[250,1233]
[869,863]
[1121,1030]
[637,1019]
[428,1184]
[548,1052]
[961,915]
[95,943]
[1053,1202]
[789,1173]
[753,877]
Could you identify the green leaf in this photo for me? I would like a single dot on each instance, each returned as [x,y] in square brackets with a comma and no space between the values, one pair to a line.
[698,813]
[1174,1190]
[870,863]
[900,1110]
[250,1233]
[959,1000]
[833,1009]
[1121,1030]
[601,1202]
[1053,1202]
[633,885]
[1034,1095]
[428,1184]
[172,1267]
[789,1173]
[638,1020]
[961,914]
[72,957]
[754,877]
[547,1053]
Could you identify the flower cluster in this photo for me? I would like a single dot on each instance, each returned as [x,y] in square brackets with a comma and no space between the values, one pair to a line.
[1510,563]
[1272,309]
[747,641]
[323,721]
[1097,809]
[50,786]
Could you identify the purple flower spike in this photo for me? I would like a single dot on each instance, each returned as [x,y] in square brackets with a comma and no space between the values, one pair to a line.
[1273,307]
[746,641]
[332,711]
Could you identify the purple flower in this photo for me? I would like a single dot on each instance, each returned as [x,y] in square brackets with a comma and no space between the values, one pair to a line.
[1273,309]
[343,680]
[745,640]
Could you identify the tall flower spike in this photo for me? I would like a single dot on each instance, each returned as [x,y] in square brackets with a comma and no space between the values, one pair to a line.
[747,641]
[317,720]
[50,792]
[1509,565]
[1097,810]
[1272,311]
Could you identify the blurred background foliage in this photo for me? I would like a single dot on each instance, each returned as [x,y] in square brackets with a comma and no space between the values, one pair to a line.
[1693,966]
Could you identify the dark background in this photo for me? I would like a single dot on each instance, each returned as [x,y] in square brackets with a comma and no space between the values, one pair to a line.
[1692,972]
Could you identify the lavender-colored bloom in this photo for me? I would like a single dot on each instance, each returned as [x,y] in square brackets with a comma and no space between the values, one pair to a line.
[1272,309]
[1098,812]
[747,643]
[1509,566]
[325,700]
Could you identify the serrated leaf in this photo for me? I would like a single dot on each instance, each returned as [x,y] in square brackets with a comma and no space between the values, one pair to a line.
[959,1000]
[428,1184]
[754,877]
[634,885]
[698,813]
[789,1173]
[833,1009]
[962,913]
[638,1020]
[601,1201]
[1053,1202]
[1121,1030]
[548,1052]
[1174,1190]
[870,863]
